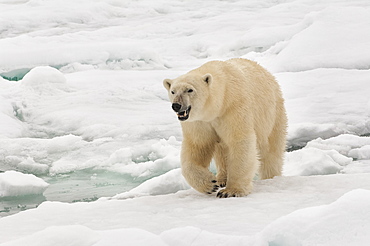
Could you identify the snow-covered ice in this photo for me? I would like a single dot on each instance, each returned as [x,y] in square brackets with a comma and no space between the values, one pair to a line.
[88,120]
[309,208]
[14,183]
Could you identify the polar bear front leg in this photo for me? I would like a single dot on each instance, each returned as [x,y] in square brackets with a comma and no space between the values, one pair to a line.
[241,167]
[195,161]
[220,156]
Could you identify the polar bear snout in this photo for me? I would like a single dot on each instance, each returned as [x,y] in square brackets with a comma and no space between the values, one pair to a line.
[176,107]
[182,113]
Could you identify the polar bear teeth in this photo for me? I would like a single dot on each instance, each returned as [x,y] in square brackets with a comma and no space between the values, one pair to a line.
[184,115]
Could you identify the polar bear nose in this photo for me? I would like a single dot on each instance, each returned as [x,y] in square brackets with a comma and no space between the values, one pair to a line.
[176,107]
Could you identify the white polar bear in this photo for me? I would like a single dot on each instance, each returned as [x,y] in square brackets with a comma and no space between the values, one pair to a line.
[232,111]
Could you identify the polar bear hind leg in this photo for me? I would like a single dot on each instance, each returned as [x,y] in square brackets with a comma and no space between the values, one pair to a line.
[272,154]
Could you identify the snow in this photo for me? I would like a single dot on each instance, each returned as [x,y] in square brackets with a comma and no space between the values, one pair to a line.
[324,103]
[186,216]
[304,162]
[333,31]
[14,183]
[89,120]
[343,222]
[167,183]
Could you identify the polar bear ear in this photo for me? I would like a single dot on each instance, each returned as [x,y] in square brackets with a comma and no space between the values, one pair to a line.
[167,83]
[207,78]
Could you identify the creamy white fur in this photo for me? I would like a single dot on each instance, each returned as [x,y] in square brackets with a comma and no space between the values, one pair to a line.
[237,117]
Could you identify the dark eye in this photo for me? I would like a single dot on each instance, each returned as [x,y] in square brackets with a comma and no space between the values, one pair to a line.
[190,90]
[172,92]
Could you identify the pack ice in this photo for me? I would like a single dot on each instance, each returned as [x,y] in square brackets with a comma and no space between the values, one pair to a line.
[14,183]
[82,108]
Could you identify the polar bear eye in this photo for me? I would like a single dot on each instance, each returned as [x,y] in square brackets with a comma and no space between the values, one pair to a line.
[190,90]
[172,92]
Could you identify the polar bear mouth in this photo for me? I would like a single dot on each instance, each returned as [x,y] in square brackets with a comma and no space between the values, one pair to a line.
[184,115]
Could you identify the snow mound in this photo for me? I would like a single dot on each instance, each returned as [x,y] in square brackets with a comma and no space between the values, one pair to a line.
[69,153]
[346,144]
[14,183]
[145,161]
[27,154]
[44,80]
[39,76]
[343,222]
[345,153]
[325,42]
[313,161]
[170,182]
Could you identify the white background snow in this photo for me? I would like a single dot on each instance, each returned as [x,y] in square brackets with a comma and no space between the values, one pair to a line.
[90,121]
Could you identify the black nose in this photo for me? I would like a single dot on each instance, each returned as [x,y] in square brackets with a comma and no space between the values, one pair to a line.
[176,107]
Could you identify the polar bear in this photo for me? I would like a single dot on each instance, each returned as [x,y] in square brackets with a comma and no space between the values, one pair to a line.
[232,111]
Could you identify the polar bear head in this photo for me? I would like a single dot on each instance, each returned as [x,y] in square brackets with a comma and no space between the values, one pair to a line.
[188,95]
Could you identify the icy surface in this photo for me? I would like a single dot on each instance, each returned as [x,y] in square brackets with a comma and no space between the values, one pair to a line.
[88,115]
[18,184]
[343,222]
[292,210]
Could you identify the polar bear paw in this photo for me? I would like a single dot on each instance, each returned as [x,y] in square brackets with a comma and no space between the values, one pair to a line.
[207,187]
[221,179]
[232,192]
[221,182]
[213,188]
